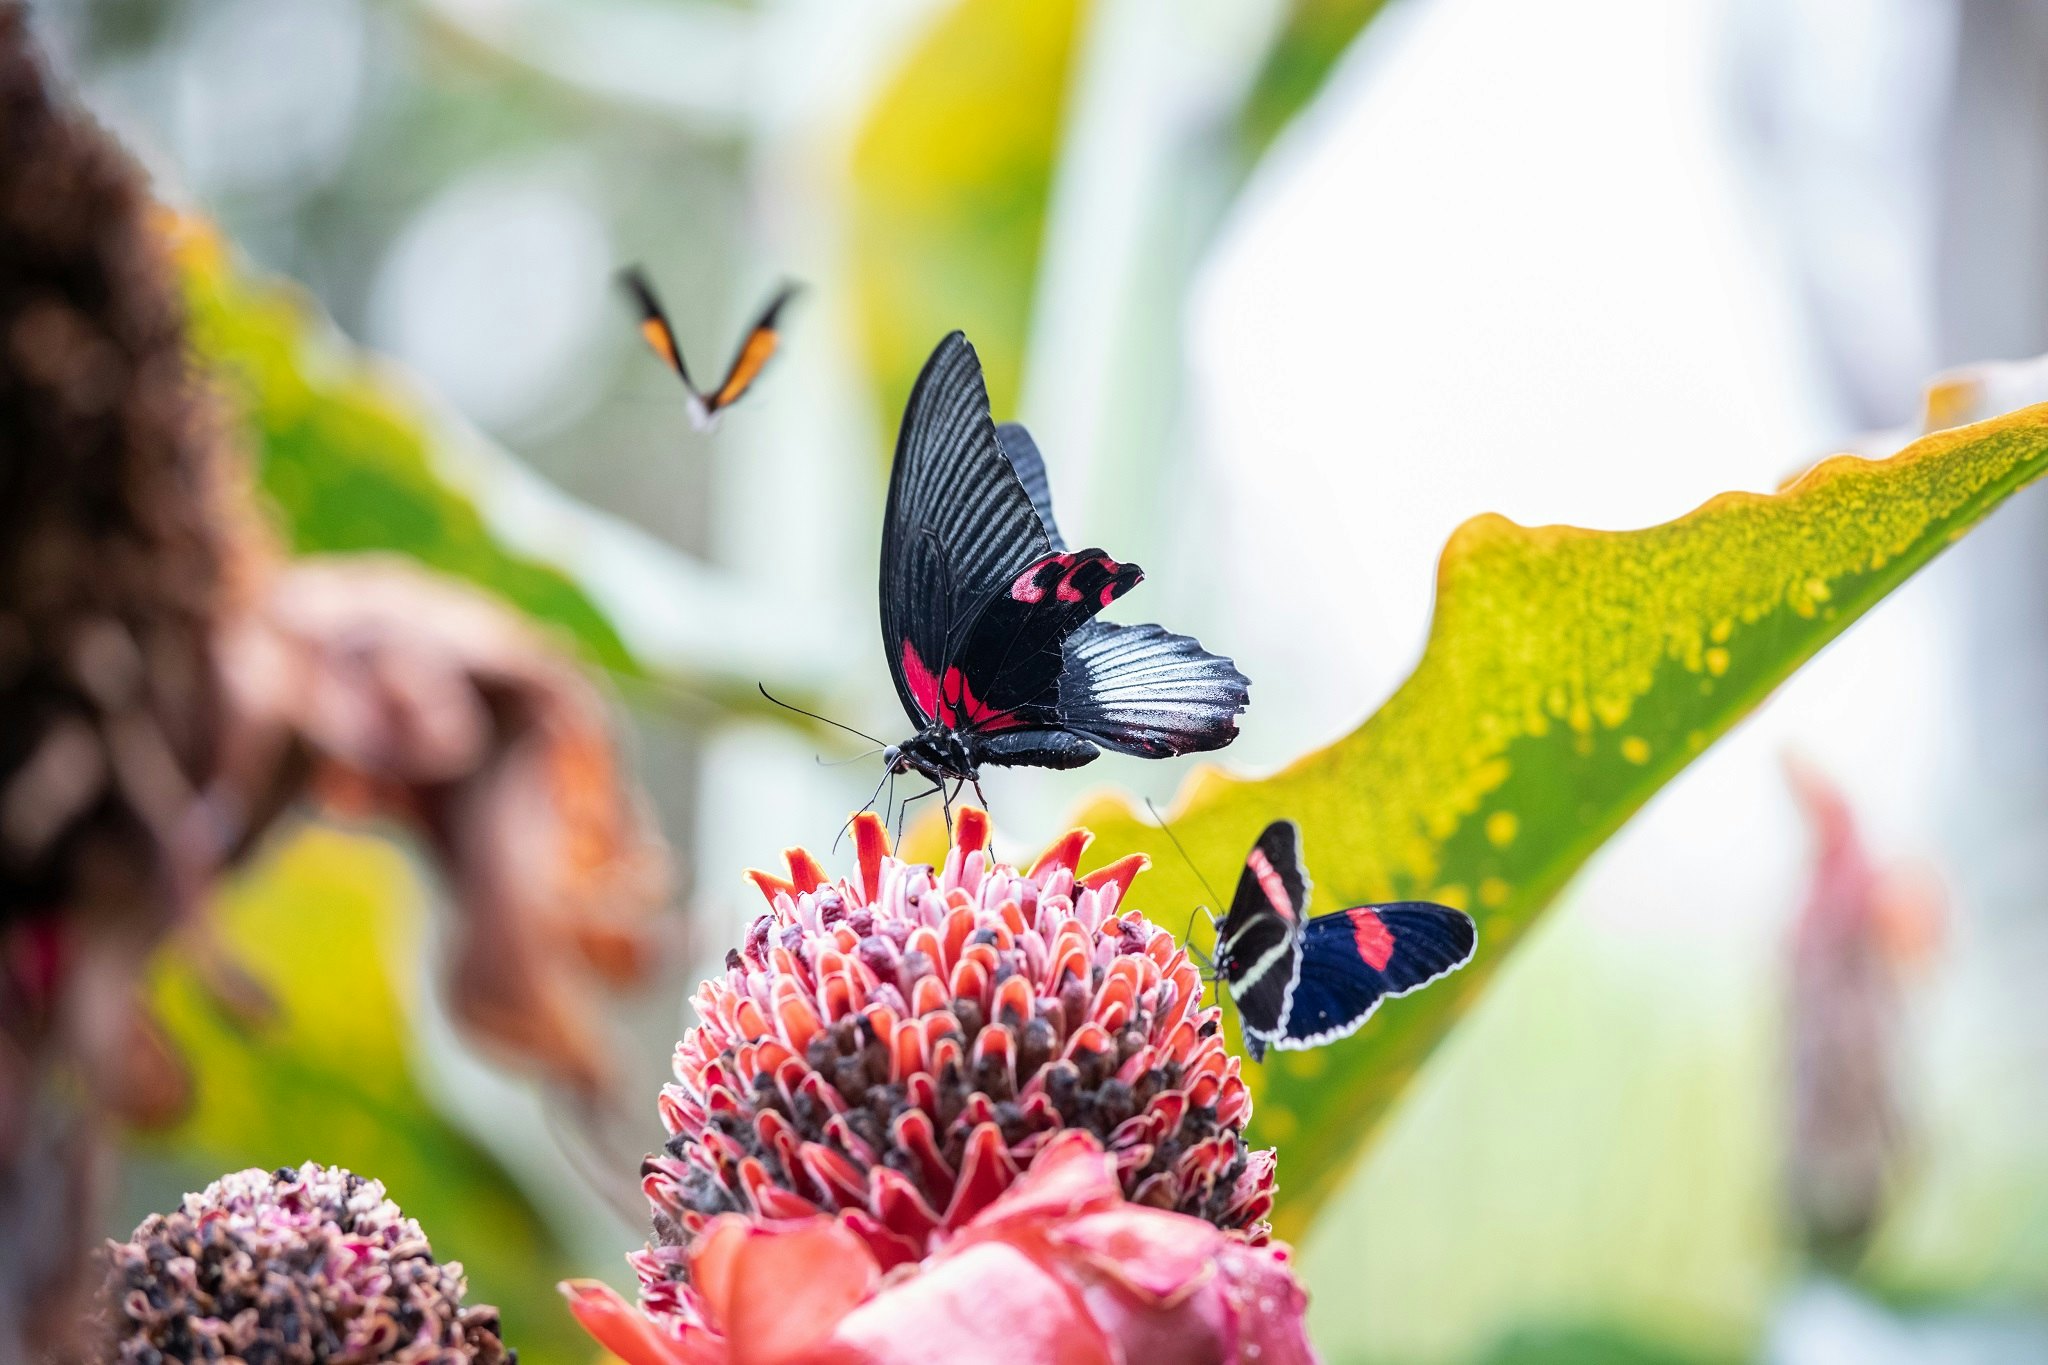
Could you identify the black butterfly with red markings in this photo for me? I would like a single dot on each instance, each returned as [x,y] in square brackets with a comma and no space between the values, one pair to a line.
[990,620]
[1302,984]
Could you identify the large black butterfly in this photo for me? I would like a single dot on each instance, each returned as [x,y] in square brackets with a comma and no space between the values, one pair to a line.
[989,619]
[757,348]
[1299,985]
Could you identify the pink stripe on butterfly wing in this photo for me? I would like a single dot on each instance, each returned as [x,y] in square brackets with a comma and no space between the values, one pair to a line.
[1375,941]
[1029,587]
[1270,883]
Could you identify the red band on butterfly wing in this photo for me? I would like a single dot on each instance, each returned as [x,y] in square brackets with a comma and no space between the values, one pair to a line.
[951,701]
[924,688]
[1270,883]
[1375,941]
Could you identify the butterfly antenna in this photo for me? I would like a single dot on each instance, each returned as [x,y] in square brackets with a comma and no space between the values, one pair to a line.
[824,719]
[842,762]
[1182,850]
[1187,935]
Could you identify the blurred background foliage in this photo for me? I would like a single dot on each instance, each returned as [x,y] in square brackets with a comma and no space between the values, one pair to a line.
[1287,291]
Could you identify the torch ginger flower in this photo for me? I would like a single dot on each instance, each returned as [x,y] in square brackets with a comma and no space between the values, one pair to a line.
[1060,1269]
[931,1114]
[895,1048]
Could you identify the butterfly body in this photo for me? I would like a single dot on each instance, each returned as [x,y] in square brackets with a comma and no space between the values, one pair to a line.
[756,349]
[1300,982]
[990,620]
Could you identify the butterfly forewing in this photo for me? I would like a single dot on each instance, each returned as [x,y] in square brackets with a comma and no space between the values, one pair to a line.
[959,526]
[1257,942]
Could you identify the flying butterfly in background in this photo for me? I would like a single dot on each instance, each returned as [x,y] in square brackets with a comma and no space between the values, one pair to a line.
[990,620]
[1300,984]
[755,350]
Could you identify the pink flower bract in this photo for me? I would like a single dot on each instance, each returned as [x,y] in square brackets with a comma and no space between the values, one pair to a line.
[1060,1269]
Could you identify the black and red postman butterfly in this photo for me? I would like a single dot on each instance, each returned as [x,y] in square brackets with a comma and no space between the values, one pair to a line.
[756,348]
[1302,984]
[990,620]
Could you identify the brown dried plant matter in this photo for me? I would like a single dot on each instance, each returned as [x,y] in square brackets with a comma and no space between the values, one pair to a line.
[384,690]
[170,685]
[110,563]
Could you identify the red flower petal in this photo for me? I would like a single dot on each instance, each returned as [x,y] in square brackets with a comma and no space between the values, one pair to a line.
[620,1329]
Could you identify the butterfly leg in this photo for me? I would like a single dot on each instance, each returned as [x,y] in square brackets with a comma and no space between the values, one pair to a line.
[903,811]
[977,793]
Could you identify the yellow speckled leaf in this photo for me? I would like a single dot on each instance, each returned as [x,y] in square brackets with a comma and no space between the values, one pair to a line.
[1568,675]
[331,926]
[951,174]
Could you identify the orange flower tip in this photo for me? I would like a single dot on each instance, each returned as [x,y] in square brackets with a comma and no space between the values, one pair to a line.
[1122,873]
[1065,853]
[805,875]
[771,885]
[970,829]
[871,845]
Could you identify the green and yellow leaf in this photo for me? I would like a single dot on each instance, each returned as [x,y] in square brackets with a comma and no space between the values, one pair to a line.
[1569,674]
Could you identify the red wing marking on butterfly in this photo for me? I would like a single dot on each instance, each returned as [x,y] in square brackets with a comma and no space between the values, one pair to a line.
[950,700]
[924,688]
[1059,572]
[1375,942]
[1270,883]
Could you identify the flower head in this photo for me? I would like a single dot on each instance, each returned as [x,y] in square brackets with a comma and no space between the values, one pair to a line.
[1060,1268]
[896,1048]
[309,1264]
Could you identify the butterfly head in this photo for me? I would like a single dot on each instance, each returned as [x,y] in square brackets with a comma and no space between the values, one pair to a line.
[936,752]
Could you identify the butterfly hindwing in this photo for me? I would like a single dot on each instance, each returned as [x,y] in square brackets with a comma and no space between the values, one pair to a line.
[1030,466]
[1352,960]
[1143,690]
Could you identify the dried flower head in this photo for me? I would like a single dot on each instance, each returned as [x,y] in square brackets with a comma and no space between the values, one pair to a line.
[897,1047]
[311,1265]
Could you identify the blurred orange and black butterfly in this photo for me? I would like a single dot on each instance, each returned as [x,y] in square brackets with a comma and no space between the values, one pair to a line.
[756,349]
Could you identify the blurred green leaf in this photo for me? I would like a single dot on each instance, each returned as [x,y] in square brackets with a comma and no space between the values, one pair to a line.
[331,924]
[951,176]
[1569,674]
[1312,39]
[344,455]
